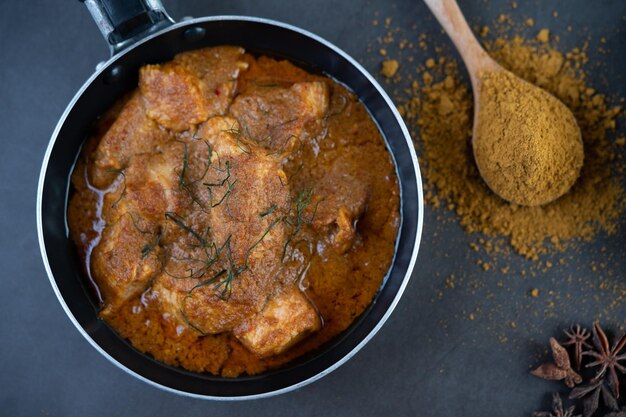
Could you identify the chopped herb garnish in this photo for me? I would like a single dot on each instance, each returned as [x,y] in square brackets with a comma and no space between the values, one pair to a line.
[150,246]
[208,162]
[249,251]
[285,246]
[123,193]
[209,281]
[189,323]
[181,181]
[221,183]
[135,225]
[180,223]
[226,180]
[344,105]
[226,195]
[297,171]
[268,211]
[236,133]
[296,217]
[267,85]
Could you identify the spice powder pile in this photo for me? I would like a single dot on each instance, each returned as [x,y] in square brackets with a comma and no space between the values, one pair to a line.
[526,143]
[443,110]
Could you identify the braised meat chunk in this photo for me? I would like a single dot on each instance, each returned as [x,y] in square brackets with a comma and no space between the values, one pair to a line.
[132,132]
[275,117]
[194,86]
[285,320]
[241,184]
[343,194]
[119,275]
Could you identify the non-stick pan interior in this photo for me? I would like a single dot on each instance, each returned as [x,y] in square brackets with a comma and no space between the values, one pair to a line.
[118,77]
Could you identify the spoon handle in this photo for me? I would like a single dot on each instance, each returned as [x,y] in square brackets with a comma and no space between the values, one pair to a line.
[453,22]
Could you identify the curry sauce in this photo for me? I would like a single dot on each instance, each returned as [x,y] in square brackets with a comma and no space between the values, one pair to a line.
[234,212]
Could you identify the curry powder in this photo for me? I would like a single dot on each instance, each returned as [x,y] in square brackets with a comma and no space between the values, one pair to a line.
[440,108]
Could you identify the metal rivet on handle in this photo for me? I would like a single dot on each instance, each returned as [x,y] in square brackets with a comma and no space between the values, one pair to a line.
[113,75]
[194,34]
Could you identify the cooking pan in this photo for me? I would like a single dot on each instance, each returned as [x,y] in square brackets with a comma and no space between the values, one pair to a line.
[140,32]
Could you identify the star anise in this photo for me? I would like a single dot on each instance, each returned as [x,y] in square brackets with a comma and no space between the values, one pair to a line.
[557,409]
[621,413]
[578,337]
[561,369]
[607,358]
[591,397]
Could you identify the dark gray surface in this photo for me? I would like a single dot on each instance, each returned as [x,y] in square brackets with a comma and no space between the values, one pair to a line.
[428,360]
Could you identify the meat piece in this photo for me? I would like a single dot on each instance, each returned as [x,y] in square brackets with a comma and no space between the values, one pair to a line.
[149,186]
[175,98]
[192,88]
[284,321]
[132,132]
[243,183]
[342,198]
[274,116]
[129,254]
[121,264]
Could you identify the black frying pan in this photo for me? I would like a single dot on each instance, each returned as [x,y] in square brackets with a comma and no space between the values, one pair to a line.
[140,32]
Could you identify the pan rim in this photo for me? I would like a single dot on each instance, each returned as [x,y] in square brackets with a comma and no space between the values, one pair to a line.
[416,170]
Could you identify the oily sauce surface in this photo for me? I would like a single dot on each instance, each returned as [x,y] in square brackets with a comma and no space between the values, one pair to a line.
[307,218]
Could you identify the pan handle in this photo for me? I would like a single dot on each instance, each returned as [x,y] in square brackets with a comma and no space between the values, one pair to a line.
[124,22]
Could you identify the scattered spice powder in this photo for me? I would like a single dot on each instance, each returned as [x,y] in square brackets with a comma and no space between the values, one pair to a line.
[441,108]
[543,36]
[389,68]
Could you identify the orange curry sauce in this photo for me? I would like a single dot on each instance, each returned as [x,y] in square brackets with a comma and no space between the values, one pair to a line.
[336,246]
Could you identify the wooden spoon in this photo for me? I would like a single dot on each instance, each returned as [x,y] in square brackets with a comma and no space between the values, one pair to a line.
[533,183]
